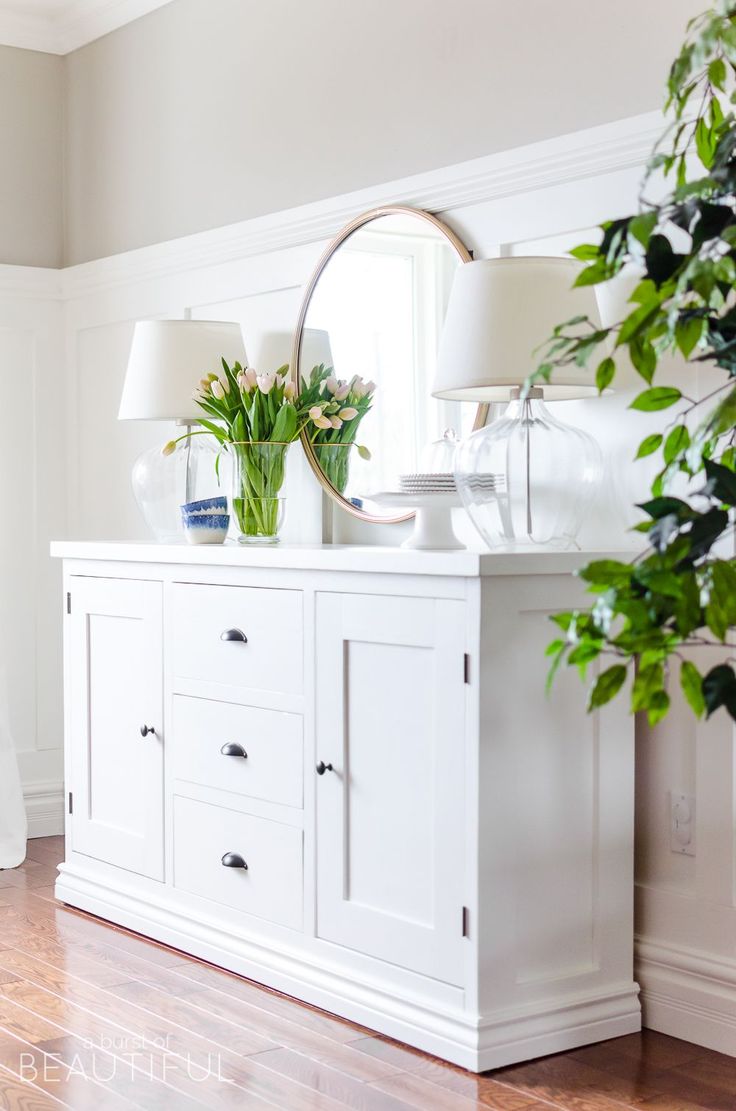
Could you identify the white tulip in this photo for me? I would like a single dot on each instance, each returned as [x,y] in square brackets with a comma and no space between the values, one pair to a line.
[322,422]
[335,422]
[217,390]
[289,391]
[266,382]
[370,387]
[315,412]
[348,413]
[169,449]
[243,382]
[251,377]
[342,392]
[332,384]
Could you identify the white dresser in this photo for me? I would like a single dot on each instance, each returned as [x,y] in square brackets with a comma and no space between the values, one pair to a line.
[335,771]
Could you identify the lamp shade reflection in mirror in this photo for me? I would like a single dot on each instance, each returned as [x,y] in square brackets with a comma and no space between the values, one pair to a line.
[366,341]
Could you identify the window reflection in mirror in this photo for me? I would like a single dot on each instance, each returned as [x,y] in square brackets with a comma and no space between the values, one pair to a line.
[377,311]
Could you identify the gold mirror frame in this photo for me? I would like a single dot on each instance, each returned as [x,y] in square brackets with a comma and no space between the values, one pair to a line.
[359,222]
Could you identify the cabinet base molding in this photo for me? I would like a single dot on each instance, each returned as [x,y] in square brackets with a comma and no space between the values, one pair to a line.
[688,994]
[487,1043]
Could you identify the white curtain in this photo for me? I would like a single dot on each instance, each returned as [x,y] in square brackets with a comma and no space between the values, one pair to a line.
[13,827]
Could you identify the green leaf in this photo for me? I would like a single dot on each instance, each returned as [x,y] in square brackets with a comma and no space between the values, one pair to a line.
[717,73]
[607,686]
[643,357]
[586,252]
[677,442]
[719,689]
[721,482]
[605,571]
[688,332]
[648,681]
[662,507]
[658,397]
[604,374]
[649,445]
[659,704]
[691,682]
[705,143]
[642,226]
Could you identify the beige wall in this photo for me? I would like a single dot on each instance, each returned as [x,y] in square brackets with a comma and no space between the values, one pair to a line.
[211,111]
[31,136]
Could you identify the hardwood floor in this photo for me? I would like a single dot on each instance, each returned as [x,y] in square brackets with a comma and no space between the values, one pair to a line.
[93,1017]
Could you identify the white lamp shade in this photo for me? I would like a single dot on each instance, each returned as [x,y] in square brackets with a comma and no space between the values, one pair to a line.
[500,311]
[315,349]
[167,360]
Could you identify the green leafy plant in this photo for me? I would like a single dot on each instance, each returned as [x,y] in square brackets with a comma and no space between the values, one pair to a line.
[680,593]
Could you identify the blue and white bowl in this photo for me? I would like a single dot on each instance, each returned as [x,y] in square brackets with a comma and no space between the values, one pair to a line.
[205,528]
[205,505]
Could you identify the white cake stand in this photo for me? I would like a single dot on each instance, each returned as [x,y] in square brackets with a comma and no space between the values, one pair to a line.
[433,521]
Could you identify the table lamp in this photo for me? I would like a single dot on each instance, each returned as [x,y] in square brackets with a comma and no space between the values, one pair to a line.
[167,359]
[527,479]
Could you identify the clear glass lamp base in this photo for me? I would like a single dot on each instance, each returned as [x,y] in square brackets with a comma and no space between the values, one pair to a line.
[163,483]
[527,480]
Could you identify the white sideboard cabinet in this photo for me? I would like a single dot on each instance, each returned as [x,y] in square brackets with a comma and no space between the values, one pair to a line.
[336,771]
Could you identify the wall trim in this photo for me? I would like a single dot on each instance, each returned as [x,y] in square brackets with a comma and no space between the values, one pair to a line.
[580,154]
[688,994]
[44,803]
[31,282]
[63,27]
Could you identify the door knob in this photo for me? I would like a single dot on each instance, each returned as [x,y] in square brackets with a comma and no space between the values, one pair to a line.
[234,634]
[233,749]
[322,768]
[146,729]
[234,860]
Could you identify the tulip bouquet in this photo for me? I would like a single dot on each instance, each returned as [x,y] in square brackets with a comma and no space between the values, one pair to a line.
[335,409]
[255,417]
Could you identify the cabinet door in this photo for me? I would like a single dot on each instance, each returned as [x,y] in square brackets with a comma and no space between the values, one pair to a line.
[390,813]
[115,686]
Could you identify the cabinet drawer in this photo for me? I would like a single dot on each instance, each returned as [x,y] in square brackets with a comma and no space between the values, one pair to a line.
[272,768]
[270,887]
[270,659]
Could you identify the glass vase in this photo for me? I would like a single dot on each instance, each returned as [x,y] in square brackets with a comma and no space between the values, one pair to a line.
[334,461]
[258,475]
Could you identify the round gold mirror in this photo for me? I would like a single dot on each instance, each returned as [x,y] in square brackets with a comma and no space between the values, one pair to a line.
[365,349]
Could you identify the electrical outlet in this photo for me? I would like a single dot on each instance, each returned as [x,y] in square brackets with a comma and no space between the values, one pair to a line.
[682,824]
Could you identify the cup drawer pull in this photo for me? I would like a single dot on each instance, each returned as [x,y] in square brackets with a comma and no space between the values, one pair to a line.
[234,860]
[235,635]
[233,749]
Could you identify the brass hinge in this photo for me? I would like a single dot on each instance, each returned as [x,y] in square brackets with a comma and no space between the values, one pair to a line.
[71,803]
[466,922]
[466,668]
[68,602]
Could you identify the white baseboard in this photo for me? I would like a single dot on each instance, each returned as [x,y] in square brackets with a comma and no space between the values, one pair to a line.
[44,802]
[688,994]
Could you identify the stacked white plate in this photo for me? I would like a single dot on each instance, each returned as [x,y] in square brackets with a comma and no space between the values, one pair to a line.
[438,483]
[485,482]
[445,483]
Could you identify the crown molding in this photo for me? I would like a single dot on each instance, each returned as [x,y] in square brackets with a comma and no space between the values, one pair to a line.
[59,28]
[582,154]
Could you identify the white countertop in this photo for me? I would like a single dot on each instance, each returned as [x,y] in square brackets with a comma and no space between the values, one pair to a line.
[337,557]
